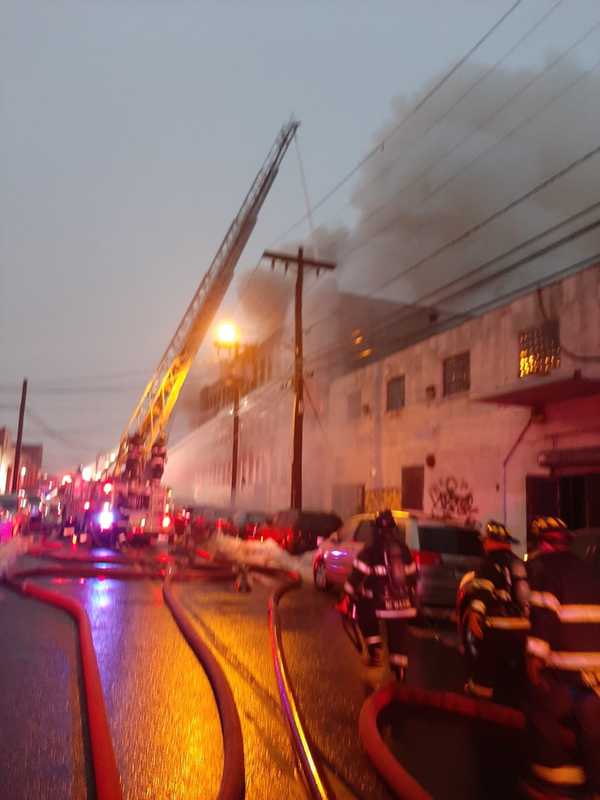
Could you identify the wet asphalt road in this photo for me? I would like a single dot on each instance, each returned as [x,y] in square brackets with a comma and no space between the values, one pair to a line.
[42,749]
[163,718]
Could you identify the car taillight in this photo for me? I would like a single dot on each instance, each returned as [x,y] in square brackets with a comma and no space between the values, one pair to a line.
[425,558]
[166,521]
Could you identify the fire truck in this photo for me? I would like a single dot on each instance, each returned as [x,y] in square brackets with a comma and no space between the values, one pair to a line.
[129,502]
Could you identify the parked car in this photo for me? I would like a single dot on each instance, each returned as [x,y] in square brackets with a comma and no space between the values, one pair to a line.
[299,531]
[13,519]
[247,523]
[443,551]
[204,520]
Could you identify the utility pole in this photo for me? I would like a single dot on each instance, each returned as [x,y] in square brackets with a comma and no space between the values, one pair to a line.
[17,463]
[301,263]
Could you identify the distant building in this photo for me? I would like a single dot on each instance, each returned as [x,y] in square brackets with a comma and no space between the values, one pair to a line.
[30,465]
[7,455]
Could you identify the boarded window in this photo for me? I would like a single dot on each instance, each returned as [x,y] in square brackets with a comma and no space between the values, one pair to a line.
[457,374]
[539,349]
[413,485]
[395,393]
[354,405]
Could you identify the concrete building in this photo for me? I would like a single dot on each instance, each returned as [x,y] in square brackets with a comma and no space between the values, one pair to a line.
[498,416]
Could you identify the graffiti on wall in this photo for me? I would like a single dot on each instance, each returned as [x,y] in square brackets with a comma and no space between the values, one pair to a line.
[452,498]
[380,499]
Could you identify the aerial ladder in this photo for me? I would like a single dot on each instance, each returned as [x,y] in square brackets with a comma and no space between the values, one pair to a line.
[144,434]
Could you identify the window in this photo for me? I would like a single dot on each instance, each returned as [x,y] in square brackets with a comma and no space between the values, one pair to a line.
[354,405]
[413,484]
[395,393]
[539,349]
[457,374]
[454,541]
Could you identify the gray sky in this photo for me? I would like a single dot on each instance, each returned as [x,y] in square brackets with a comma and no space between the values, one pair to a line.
[131,130]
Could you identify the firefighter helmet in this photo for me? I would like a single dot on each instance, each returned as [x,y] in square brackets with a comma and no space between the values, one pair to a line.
[551,530]
[385,519]
[498,532]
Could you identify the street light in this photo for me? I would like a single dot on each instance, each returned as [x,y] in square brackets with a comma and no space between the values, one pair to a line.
[227,336]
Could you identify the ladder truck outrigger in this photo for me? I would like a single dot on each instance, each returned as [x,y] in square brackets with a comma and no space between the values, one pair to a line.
[130,501]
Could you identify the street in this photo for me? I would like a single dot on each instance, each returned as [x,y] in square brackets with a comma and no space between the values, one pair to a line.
[162,714]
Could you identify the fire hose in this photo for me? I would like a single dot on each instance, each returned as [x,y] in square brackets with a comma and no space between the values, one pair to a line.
[106,776]
[312,771]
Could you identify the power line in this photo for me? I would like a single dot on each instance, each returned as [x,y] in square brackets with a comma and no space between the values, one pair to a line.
[462,316]
[567,239]
[385,170]
[381,144]
[494,216]
[524,122]
[397,316]
[585,357]
[58,436]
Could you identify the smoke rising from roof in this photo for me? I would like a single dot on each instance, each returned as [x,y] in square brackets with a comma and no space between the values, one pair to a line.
[436,180]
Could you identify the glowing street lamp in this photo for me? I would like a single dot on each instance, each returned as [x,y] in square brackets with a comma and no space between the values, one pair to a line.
[227,335]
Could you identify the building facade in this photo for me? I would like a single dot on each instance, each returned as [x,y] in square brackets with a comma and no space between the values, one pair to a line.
[496,417]
[30,465]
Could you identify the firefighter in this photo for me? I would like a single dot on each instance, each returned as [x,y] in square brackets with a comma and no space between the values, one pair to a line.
[497,615]
[158,459]
[563,666]
[382,584]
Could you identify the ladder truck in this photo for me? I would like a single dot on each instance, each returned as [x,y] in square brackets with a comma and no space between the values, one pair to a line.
[130,502]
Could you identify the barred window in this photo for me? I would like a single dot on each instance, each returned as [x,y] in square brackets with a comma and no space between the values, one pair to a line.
[354,405]
[395,393]
[539,349]
[457,374]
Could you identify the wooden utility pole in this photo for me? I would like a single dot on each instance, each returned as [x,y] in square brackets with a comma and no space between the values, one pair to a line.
[17,462]
[301,263]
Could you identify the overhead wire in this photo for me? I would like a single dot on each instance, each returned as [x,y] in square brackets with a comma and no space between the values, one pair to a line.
[398,315]
[417,307]
[414,110]
[384,172]
[465,315]
[540,187]
[584,357]
[501,211]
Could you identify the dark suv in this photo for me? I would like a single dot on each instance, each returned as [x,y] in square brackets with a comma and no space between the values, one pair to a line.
[299,531]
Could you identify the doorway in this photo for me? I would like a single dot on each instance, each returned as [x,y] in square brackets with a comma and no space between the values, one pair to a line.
[574,498]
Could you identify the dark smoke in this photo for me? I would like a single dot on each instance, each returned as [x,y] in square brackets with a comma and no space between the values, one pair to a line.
[410,204]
